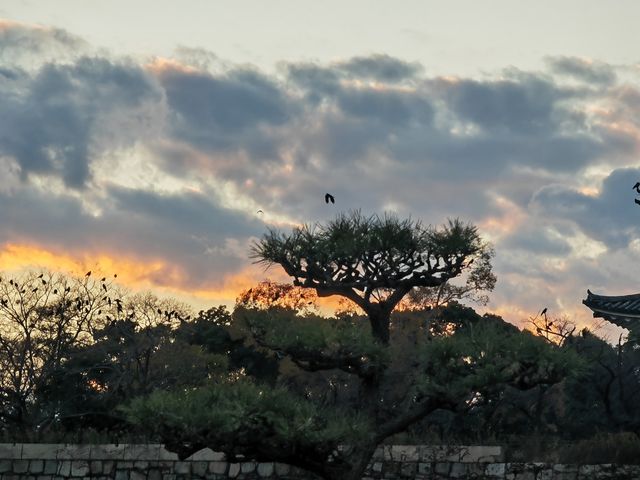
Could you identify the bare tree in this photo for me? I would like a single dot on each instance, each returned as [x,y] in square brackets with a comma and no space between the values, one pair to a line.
[41,316]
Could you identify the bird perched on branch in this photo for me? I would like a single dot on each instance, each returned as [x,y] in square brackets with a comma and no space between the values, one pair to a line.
[329,198]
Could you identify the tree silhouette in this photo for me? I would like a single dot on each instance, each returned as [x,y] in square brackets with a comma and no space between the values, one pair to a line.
[372,261]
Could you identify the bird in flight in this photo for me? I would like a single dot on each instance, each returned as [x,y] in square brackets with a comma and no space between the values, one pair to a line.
[544,311]
[329,198]
[636,187]
[259,211]
[88,274]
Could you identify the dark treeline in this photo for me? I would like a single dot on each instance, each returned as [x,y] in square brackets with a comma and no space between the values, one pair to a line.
[73,350]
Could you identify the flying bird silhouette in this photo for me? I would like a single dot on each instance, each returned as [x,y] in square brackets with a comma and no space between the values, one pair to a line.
[88,274]
[259,211]
[329,198]
[636,187]
[544,311]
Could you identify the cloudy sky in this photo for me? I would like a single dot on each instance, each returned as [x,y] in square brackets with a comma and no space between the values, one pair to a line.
[142,137]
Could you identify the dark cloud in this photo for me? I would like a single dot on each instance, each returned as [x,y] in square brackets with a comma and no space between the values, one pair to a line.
[188,213]
[51,119]
[585,70]
[316,81]
[527,105]
[394,108]
[537,240]
[19,40]
[381,67]
[611,217]
[224,112]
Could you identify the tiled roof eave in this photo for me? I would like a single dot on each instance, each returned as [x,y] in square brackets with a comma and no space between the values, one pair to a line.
[599,312]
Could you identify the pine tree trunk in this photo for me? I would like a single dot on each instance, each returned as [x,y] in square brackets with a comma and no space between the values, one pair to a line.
[379,321]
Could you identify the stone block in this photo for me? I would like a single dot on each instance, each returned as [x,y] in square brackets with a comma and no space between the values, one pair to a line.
[182,468]
[442,468]
[513,467]
[40,451]
[142,452]
[80,468]
[545,474]
[475,470]
[423,468]
[36,466]
[265,469]
[5,465]
[11,451]
[20,466]
[439,453]
[248,467]
[50,467]
[234,470]
[404,453]
[44,477]
[73,452]
[495,470]
[199,468]
[481,454]
[376,467]
[165,465]
[108,466]
[168,476]
[107,451]
[137,475]
[95,466]
[154,474]
[122,474]
[408,469]
[458,470]
[282,469]
[64,468]
[141,465]
[219,468]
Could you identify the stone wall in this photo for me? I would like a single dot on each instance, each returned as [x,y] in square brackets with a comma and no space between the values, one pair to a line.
[153,462]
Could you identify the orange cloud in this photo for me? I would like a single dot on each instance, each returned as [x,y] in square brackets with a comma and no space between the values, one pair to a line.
[131,272]
[509,219]
[161,64]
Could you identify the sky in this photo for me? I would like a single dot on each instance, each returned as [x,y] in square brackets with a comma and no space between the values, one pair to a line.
[143,137]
